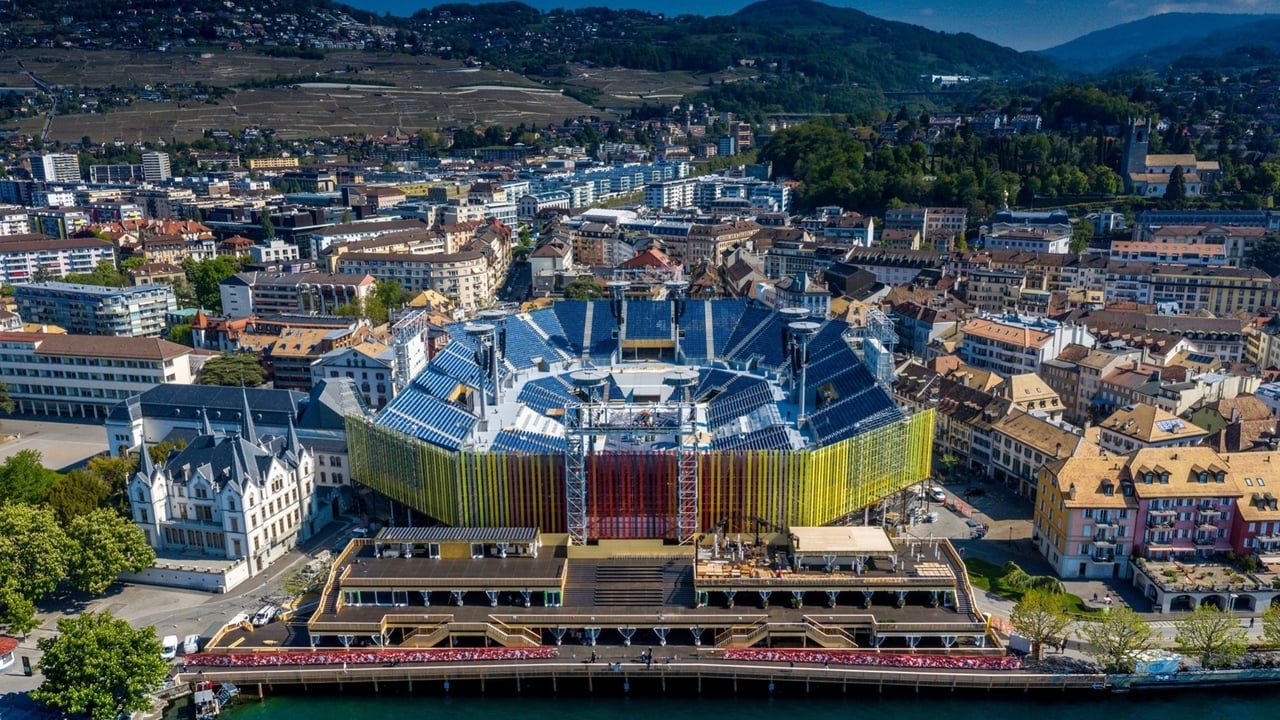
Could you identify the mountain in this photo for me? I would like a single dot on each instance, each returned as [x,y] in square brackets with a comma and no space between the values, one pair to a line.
[1158,40]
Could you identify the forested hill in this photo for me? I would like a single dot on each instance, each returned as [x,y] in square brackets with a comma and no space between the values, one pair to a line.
[839,46]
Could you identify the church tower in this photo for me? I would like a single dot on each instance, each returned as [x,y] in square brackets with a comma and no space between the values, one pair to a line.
[1135,148]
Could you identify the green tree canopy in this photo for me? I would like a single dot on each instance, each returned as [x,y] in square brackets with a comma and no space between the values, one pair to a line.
[104,274]
[25,479]
[1040,616]
[1213,636]
[1117,639]
[1271,625]
[204,276]
[108,544]
[34,550]
[1265,254]
[232,369]
[583,288]
[77,493]
[1175,193]
[1081,234]
[99,666]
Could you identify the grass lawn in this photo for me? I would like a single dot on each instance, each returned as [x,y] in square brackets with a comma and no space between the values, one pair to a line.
[990,577]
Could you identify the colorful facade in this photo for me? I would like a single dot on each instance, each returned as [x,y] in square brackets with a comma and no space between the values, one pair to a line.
[633,494]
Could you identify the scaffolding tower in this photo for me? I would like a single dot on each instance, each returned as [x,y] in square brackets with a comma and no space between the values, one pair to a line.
[879,338]
[594,418]
[411,325]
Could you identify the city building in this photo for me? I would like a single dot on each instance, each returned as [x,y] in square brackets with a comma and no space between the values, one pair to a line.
[238,497]
[1145,426]
[55,168]
[155,167]
[265,293]
[137,311]
[85,377]
[1085,517]
[28,257]
[1011,344]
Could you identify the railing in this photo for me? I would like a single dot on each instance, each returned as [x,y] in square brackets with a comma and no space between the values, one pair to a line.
[507,636]
[828,637]
[820,581]
[741,636]
[709,669]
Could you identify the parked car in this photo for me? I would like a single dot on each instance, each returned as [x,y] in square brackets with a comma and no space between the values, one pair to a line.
[937,495]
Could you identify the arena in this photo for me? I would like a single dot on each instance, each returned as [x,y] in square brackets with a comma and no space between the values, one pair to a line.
[639,418]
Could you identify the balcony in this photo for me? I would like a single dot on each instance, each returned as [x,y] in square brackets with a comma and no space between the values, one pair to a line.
[1205,540]
[1154,521]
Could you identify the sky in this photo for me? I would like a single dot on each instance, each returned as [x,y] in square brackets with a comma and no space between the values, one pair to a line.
[1020,24]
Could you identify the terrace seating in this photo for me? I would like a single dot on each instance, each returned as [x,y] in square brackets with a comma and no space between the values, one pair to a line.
[562,323]
[694,327]
[524,344]
[725,316]
[527,442]
[648,319]
[770,438]
[428,418]
[750,324]
[712,380]
[602,326]
[545,394]
[853,415]
[742,397]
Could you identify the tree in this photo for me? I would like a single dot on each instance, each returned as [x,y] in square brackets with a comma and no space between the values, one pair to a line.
[77,493]
[1265,254]
[16,611]
[1175,193]
[583,288]
[268,228]
[232,369]
[205,275]
[7,404]
[1040,616]
[25,479]
[1213,636]
[1118,639]
[103,274]
[109,544]
[99,666]
[34,550]
[1271,625]
[391,294]
[1081,234]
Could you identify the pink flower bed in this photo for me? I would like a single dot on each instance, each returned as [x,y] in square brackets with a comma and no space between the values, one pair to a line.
[367,657]
[846,657]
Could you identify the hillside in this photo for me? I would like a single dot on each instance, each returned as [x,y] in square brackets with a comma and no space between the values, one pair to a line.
[1158,40]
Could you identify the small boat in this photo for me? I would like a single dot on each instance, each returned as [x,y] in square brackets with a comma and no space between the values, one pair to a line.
[209,704]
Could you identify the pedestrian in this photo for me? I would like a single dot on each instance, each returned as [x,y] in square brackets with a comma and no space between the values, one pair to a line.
[344,666]
[1095,597]
[1251,621]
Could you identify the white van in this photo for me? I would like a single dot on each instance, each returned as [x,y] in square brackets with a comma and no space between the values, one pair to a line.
[265,615]
[191,645]
[169,647]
